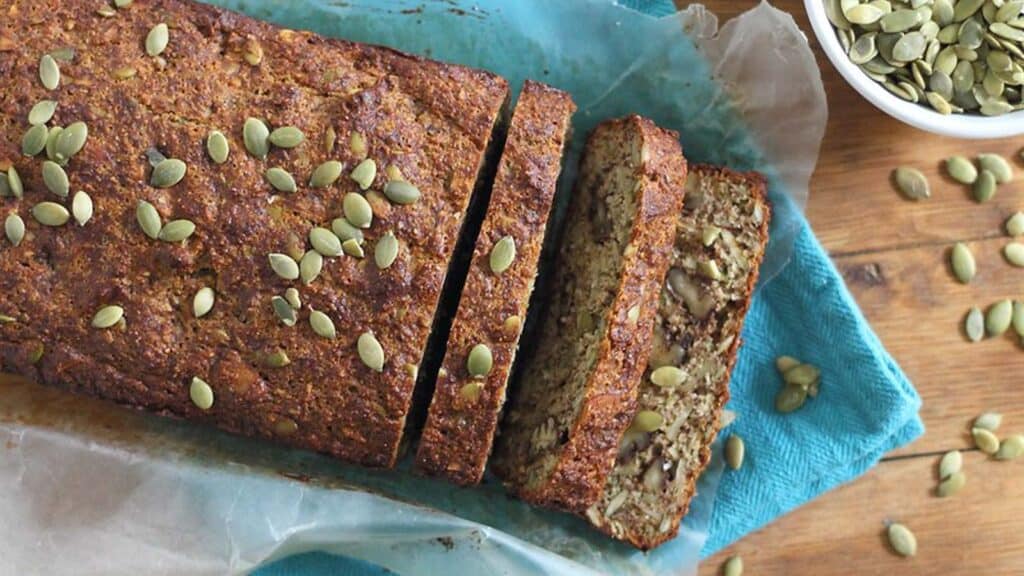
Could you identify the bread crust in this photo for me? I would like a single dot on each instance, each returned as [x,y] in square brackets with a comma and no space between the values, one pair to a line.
[459,430]
[432,120]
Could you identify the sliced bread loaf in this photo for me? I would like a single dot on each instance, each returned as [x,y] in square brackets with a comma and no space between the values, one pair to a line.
[470,387]
[578,389]
[720,240]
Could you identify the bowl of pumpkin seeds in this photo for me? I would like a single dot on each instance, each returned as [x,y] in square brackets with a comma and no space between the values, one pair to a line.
[952,67]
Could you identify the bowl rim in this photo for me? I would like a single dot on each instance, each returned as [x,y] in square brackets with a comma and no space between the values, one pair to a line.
[958,125]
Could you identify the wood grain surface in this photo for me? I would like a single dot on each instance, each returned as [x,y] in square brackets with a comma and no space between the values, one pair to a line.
[894,255]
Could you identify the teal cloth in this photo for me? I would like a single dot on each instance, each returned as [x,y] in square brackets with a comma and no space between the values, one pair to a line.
[866,406]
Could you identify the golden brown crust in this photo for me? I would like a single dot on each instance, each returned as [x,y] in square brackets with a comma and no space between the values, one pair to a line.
[432,120]
[459,430]
[609,403]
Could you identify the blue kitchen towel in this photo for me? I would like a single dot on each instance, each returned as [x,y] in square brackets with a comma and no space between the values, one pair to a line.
[866,406]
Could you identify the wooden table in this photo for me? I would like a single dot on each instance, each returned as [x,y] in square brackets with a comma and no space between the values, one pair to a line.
[894,256]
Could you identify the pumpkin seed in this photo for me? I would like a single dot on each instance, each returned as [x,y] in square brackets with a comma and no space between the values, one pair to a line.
[950,464]
[168,173]
[479,361]
[364,173]
[911,182]
[734,450]
[202,302]
[357,210]
[1011,448]
[1017,320]
[34,140]
[283,310]
[107,317]
[370,351]
[951,485]
[326,174]
[284,266]
[961,169]
[938,103]
[281,180]
[942,12]
[5,187]
[154,156]
[790,398]
[964,9]
[985,186]
[785,363]
[256,137]
[157,39]
[49,72]
[864,14]
[51,145]
[733,567]
[668,377]
[1015,224]
[1014,253]
[201,393]
[291,296]
[998,60]
[322,324]
[401,192]
[386,251]
[997,165]
[330,137]
[835,15]
[971,34]
[149,219]
[962,261]
[393,173]
[1004,30]
[55,179]
[1008,11]
[177,231]
[503,254]
[286,137]
[310,266]
[50,214]
[988,421]
[217,146]
[253,52]
[974,325]
[901,538]
[900,20]
[985,440]
[14,229]
[998,318]
[63,54]
[353,248]
[647,421]
[42,112]
[909,47]
[863,49]
[325,242]
[81,207]
[471,391]
[802,375]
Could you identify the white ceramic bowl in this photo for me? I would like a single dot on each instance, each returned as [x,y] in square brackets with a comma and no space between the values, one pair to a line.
[923,117]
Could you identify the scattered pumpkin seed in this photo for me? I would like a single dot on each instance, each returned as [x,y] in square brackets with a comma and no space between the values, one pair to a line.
[326,174]
[106,12]
[985,186]
[256,137]
[345,231]
[1014,253]
[203,301]
[157,39]
[177,231]
[951,485]
[962,261]
[357,144]
[1011,448]
[51,144]
[291,296]
[1017,318]
[283,310]
[734,450]
[370,351]
[322,325]
[310,266]
[14,183]
[471,391]
[34,140]
[668,377]
[974,325]
[49,72]
[950,464]
[201,393]
[733,567]
[364,173]
[107,317]
[217,146]
[286,137]
[401,192]
[912,183]
[479,362]
[985,440]
[357,210]
[71,140]
[988,421]
[1015,225]
[790,398]
[325,242]
[503,254]
[284,266]
[330,137]
[55,179]
[393,173]
[168,173]
[278,359]
[998,318]
[785,363]
[63,54]
[901,538]
[154,156]
[281,180]
[5,187]
[647,421]
[50,214]
[997,165]
[386,251]
[802,375]
[353,248]
[14,229]
[149,219]
[81,207]
[42,112]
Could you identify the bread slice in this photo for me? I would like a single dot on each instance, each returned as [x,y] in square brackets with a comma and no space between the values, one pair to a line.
[720,240]
[459,431]
[423,121]
[578,390]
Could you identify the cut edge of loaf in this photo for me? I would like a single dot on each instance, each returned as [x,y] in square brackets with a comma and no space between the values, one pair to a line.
[560,436]
[459,431]
[725,221]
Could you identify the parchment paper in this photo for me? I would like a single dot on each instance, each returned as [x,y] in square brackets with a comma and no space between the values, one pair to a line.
[86,488]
